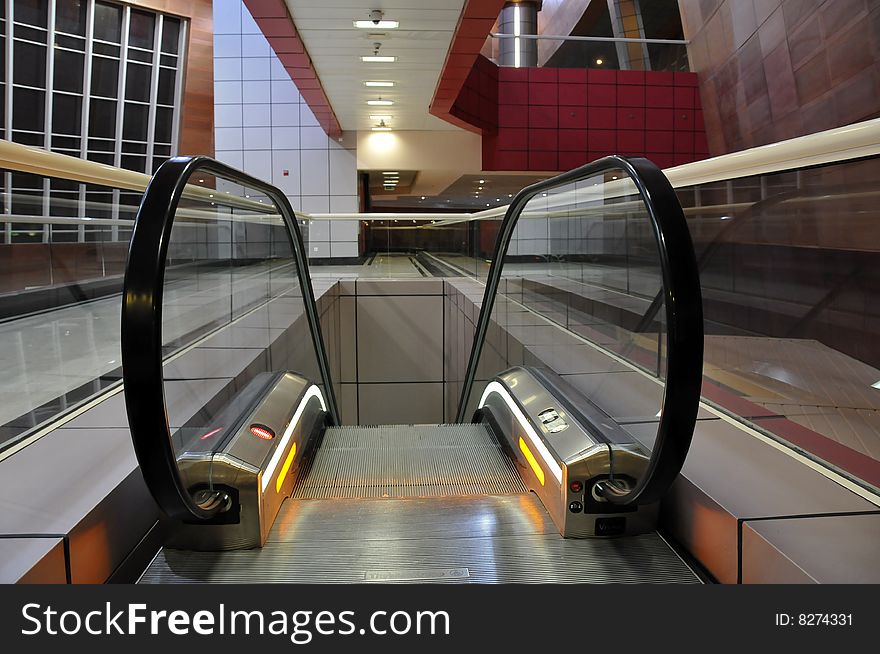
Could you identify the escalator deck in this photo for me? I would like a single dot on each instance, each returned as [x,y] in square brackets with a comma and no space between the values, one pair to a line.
[420,504]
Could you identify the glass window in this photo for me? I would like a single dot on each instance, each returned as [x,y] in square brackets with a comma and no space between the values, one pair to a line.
[165,93]
[102,145]
[164,120]
[140,32]
[137,82]
[70,16]
[134,148]
[66,114]
[105,77]
[28,109]
[140,55]
[69,71]
[31,33]
[102,118]
[71,42]
[108,22]
[134,126]
[106,49]
[32,12]
[170,35]
[29,138]
[132,162]
[30,64]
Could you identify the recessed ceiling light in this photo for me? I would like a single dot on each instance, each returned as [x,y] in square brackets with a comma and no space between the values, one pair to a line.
[423,197]
[378,83]
[380,116]
[497,199]
[599,62]
[380,103]
[510,195]
[482,181]
[378,59]
[380,24]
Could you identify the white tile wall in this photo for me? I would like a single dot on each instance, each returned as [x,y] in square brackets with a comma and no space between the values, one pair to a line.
[263,126]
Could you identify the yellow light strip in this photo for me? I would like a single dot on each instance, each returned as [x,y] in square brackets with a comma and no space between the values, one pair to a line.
[537,443]
[539,473]
[313,392]
[285,468]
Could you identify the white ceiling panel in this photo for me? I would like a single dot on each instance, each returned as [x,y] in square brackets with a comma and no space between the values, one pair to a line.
[420,45]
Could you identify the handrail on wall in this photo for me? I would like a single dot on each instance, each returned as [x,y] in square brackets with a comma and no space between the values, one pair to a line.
[831,146]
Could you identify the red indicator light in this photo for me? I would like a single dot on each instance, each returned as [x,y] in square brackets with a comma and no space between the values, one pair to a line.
[262,431]
[213,432]
[576,486]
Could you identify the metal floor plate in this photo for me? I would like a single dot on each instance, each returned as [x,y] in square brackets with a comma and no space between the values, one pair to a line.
[420,504]
[409,461]
[500,539]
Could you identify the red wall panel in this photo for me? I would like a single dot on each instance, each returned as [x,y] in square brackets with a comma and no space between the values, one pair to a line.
[546,119]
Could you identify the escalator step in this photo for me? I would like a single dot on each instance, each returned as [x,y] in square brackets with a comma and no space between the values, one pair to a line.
[409,461]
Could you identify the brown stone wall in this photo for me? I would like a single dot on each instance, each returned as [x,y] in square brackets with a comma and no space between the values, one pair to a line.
[775,69]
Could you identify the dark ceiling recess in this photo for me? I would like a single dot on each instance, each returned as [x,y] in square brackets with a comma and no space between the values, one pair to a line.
[464,194]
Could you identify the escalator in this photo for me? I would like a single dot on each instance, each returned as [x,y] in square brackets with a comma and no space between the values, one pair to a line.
[232,400]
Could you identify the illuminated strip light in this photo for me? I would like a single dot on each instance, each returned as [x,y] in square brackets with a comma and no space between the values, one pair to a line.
[516,33]
[313,391]
[539,472]
[536,442]
[285,469]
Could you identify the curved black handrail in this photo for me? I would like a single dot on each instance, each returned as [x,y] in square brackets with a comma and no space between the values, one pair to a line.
[684,316]
[142,328]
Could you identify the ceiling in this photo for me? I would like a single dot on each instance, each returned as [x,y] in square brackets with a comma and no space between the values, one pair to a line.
[420,45]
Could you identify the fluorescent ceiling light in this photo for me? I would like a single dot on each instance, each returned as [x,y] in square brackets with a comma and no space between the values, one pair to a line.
[381,24]
[380,116]
[378,59]
[378,83]
[390,172]
[380,103]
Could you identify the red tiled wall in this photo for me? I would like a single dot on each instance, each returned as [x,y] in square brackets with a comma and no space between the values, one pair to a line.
[556,119]
[477,102]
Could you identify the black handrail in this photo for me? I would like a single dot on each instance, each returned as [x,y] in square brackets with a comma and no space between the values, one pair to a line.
[684,316]
[142,328]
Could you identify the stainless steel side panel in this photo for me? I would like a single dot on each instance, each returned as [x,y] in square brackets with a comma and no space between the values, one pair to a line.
[260,472]
[573,451]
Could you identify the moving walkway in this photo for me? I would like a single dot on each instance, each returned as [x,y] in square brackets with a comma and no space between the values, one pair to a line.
[233,411]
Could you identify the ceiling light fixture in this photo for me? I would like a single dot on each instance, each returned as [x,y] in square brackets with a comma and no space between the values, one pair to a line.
[599,62]
[376,20]
[376,58]
[380,103]
[378,83]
